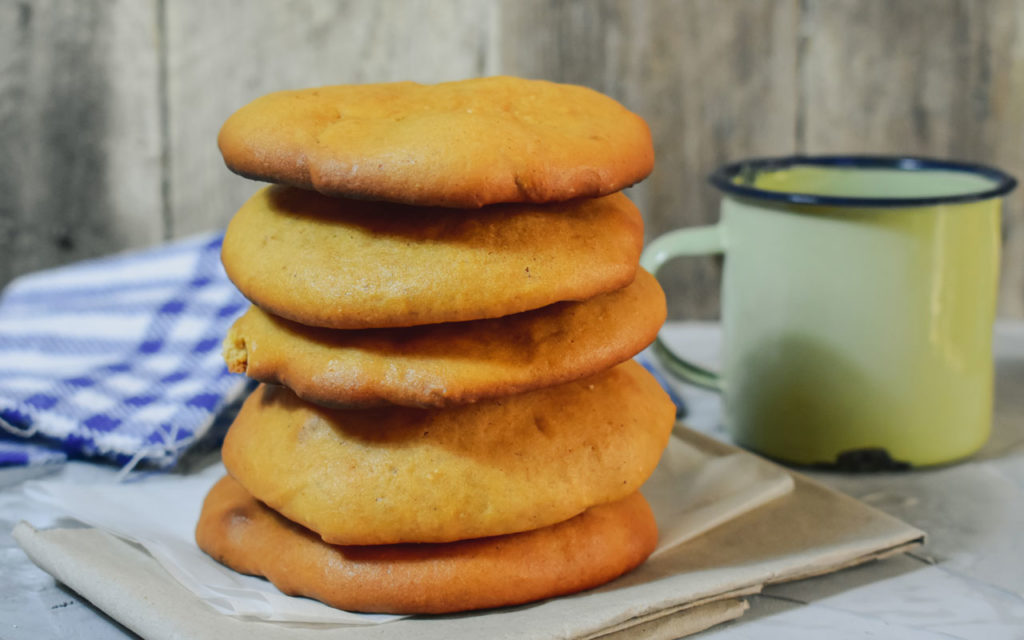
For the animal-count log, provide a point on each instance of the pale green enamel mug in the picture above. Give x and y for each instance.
(858, 298)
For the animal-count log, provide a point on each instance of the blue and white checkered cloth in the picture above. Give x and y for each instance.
(117, 358)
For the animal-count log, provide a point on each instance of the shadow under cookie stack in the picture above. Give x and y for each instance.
(446, 298)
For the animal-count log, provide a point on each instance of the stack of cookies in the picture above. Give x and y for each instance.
(446, 298)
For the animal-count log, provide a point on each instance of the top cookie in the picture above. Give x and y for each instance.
(457, 144)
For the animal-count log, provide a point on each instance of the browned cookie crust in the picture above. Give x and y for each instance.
(590, 549)
(447, 364)
(458, 144)
(346, 264)
(397, 474)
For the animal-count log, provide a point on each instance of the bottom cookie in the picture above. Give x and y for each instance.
(588, 550)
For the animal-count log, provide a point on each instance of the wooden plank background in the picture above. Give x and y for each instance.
(109, 109)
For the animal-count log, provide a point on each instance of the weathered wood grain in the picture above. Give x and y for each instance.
(79, 142)
(222, 54)
(1002, 136)
(109, 109)
(943, 78)
(715, 80)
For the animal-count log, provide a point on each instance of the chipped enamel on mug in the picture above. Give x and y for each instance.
(858, 298)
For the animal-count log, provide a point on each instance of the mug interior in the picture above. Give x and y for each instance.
(862, 181)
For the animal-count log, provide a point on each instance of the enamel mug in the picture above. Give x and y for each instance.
(858, 298)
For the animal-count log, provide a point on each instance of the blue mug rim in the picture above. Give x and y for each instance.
(722, 179)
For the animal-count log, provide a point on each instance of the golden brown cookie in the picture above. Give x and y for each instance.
(346, 264)
(458, 144)
(454, 363)
(397, 474)
(588, 550)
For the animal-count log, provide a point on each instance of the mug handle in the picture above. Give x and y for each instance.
(695, 241)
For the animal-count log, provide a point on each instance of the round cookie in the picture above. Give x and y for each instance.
(588, 550)
(457, 144)
(446, 364)
(397, 474)
(347, 264)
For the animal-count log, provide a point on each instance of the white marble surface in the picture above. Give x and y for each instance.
(967, 582)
